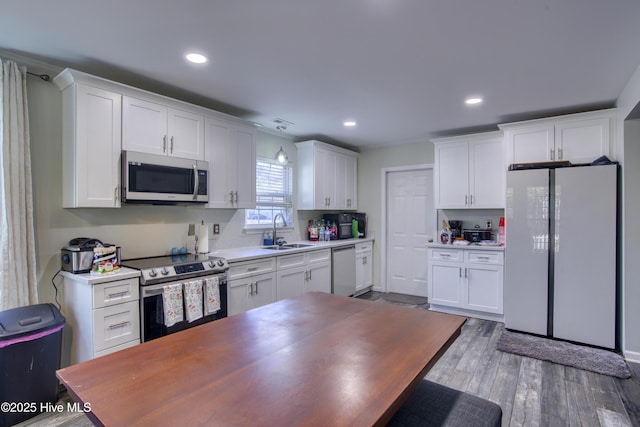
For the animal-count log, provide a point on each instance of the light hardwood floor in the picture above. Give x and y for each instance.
(531, 392)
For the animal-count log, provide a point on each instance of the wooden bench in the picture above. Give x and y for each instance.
(433, 404)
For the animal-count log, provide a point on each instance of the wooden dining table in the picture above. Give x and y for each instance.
(313, 360)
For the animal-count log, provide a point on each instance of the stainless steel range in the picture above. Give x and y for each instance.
(158, 272)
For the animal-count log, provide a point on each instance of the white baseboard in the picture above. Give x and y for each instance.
(467, 313)
(631, 356)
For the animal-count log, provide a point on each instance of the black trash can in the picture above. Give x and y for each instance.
(30, 341)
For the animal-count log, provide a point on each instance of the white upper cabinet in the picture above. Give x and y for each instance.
(470, 172)
(327, 177)
(155, 128)
(578, 138)
(231, 152)
(91, 133)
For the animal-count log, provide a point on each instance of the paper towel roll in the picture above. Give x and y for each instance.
(203, 239)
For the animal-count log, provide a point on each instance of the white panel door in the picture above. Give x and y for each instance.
(244, 167)
(584, 305)
(582, 141)
(487, 174)
(410, 221)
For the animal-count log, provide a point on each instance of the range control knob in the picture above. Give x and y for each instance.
(164, 271)
(220, 263)
(212, 264)
(153, 272)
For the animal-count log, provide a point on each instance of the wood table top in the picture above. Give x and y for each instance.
(316, 359)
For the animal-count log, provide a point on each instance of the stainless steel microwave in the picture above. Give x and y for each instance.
(157, 179)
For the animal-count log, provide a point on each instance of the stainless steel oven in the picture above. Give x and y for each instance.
(158, 272)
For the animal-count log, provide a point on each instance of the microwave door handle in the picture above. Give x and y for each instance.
(195, 182)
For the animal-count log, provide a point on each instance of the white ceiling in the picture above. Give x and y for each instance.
(400, 68)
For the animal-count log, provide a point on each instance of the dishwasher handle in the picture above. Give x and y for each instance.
(344, 248)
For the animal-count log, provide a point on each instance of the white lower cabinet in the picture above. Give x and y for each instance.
(102, 312)
(250, 284)
(303, 272)
(466, 280)
(364, 266)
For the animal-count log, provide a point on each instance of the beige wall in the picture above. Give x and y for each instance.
(370, 165)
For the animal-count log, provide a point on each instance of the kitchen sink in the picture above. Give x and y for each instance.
(297, 245)
(278, 248)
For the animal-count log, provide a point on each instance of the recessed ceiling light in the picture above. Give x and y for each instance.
(473, 100)
(196, 58)
(349, 123)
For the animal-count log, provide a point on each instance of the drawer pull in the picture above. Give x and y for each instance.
(445, 255)
(119, 325)
(252, 269)
(484, 258)
(118, 294)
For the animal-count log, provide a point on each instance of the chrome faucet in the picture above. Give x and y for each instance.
(275, 218)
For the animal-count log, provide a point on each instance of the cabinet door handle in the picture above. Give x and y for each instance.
(118, 294)
(459, 271)
(552, 154)
(471, 200)
(171, 145)
(164, 144)
(465, 199)
(115, 196)
(250, 288)
(231, 197)
(256, 285)
(236, 193)
(559, 153)
(364, 260)
(465, 272)
(119, 325)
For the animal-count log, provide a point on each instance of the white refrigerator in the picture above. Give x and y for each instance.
(560, 254)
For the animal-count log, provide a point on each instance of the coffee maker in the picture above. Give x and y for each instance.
(456, 228)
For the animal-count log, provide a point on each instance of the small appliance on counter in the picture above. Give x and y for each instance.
(477, 235)
(456, 228)
(361, 219)
(343, 223)
(79, 255)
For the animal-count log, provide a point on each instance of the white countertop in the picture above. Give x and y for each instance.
(466, 247)
(93, 279)
(255, 252)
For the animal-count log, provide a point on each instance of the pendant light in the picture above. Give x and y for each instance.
(281, 156)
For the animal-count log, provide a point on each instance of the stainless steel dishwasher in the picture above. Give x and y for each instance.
(343, 261)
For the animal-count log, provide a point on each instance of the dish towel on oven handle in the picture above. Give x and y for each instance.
(172, 303)
(193, 300)
(212, 296)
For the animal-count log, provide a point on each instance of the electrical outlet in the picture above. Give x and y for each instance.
(216, 228)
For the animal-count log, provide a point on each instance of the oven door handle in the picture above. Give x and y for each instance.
(150, 292)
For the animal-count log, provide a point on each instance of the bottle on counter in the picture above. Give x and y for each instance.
(445, 234)
(501, 235)
(313, 231)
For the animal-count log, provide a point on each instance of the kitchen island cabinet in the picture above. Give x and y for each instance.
(467, 280)
(578, 138)
(470, 172)
(230, 149)
(91, 141)
(102, 312)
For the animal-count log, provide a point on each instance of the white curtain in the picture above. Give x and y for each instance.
(18, 286)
